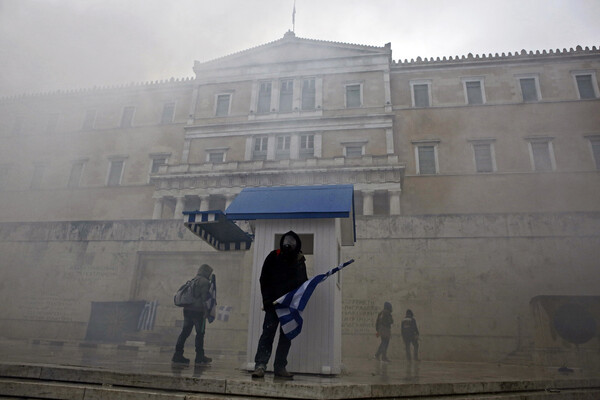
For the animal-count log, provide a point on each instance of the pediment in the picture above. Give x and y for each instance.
(291, 49)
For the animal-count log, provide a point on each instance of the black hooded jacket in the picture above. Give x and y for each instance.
(282, 271)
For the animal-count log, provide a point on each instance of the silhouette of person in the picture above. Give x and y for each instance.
(410, 335)
(383, 326)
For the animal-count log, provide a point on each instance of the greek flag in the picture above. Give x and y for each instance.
(289, 307)
(211, 303)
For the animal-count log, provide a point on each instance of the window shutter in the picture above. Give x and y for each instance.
(528, 89)
(483, 157)
(585, 86)
(427, 160)
(421, 93)
(474, 95)
(541, 156)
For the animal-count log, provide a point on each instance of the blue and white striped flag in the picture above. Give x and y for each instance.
(211, 303)
(289, 307)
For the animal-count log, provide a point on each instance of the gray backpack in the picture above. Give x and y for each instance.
(185, 295)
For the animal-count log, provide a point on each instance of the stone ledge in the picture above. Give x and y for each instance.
(86, 383)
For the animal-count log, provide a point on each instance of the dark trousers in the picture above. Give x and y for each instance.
(383, 346)
(192, 319)
(265, 343)
(408, 340)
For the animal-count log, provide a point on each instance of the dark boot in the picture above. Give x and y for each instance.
(283, 374)
(180, 359)
(259, 372)
(202, 359)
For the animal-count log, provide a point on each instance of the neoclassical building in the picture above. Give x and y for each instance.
(476, 183)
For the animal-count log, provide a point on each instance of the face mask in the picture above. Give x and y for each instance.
(289, 244)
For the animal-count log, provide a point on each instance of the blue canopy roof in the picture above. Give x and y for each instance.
(282, 202)
(331, 201)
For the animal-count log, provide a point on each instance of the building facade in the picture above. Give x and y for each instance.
(476, 188)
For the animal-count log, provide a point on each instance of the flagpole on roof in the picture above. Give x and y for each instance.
(294, 18)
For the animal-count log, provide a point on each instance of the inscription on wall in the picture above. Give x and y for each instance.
(50, 309)
(358, 316)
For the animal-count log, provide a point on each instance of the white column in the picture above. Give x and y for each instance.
(395, 208)
(203, 203)
(368, 202)
(179, 206)
(185, 154)
(271, 147)
(295, 147)
(157, 213)
(249, 148)
(318, 145)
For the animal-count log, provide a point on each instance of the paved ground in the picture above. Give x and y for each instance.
(394, 377)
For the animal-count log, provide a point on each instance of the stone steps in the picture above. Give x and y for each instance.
(61, 382)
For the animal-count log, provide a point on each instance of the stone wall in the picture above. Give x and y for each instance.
(468, 278)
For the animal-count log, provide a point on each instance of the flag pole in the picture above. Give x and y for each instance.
(294, 18)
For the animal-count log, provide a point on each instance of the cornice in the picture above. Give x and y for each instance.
(520, 56)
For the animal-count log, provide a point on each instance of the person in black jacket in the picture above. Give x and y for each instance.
(284, 270)
(410, 335)
(383, 327)
(194, 316)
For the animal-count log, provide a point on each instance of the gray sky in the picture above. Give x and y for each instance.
(46, 45)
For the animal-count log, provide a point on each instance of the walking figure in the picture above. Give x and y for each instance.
(410, 335)
(383, 326)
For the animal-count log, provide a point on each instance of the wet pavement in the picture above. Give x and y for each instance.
(150, 367)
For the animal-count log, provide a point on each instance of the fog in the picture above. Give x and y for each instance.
(49, 45)
(434, 264)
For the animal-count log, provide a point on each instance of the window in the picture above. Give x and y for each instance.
(421, 93)
(223, 102)
(286, 95)
(38, 174)
(76, 173)
(353, 150)
(381, 203)
(587, 86)
(541, 153)
(157, 163)
(127, 117)
(530, 89)
(426, 158)
(52, 123)
(283, 147)
(483, 153)
(353, 96)
(192, 203)
(264, 97)
(217, 202)
(595, 145)
(307, 146)
(115, 172)
(167, 114)
(260, 148)
(474, 92)
(89, 120)
(216, 157)
(308, 94)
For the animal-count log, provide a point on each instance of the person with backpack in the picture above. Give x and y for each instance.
(410, 335)
(195, 313)
(383, 327)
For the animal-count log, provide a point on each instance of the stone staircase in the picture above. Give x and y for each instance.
(60, 382)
